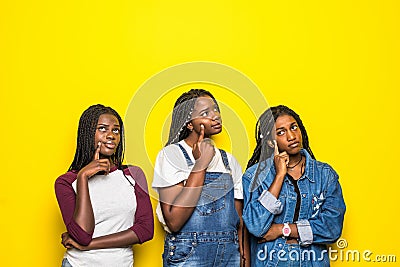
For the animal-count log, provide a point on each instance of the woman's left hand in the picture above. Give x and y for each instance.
(68, 242)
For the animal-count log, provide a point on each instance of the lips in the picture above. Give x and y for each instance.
(110, 145)
(294, 145)
(217, 126)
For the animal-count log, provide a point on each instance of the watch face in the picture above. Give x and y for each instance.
(286, 231)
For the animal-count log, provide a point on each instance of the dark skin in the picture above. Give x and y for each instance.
(179, 201)
(287, 153)
(107, 139)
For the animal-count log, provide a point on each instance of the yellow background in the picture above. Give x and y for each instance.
(335, 62)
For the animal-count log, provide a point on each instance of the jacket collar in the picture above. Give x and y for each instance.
(309, 171)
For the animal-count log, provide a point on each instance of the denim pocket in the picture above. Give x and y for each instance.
(180, 250)
(212, 198)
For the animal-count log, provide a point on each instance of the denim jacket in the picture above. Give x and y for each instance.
(321, 212)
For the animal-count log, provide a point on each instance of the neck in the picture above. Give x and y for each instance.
(193, 138)
(109, 159)
(293, 159)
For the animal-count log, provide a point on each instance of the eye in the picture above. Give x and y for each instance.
(116, 131)
(102, 129)
(294, 127)
(204, 114)
(280, 132)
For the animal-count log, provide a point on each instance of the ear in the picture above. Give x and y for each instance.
(189, 126)
(270, 144)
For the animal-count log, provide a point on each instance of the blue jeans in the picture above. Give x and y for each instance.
(201, 249)
(65, 263)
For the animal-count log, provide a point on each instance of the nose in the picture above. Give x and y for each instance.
(216, 116)
(290, 136)
(110, 135)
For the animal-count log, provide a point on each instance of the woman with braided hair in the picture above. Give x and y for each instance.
(293, 204)
(104, 204)
(199, 187)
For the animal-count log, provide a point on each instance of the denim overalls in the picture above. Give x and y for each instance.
(209, 237)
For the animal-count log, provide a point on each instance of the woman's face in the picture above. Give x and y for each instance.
(108, 134)
(288, 135)
(206, 112)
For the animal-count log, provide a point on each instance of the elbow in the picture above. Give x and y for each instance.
(174, 227)
(79, 235)
(174, 223)
(148, 233)
(144, 231)
(252, 228)
(336, 235)
(82, 239)
(85, 241)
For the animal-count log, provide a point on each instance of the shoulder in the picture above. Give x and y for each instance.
(132, 170)
(264, 168)
(67, 178)
(170, 149)
(63, 184)
(322, 170)
(171, 159)
(233, 162)
(170, 153)
(230, 157)
(138, 176)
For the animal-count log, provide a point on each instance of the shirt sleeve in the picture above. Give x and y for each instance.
(66, 201)
(144, 221)
(170, 167)
(236, 176)
(258, 215)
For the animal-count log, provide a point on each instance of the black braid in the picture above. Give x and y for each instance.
(264, 130)
(85, 145)
(182, 114)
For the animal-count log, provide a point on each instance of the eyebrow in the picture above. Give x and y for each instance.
(103, 124)
(204, 110)
(282, 128)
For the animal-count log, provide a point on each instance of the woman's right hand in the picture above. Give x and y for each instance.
(281, 160)
(95, 166)
(203, 151)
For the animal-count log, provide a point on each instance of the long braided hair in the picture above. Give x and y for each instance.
(182, 114)
(265, 133)
(85, 145)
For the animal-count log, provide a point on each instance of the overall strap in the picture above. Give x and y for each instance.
(225, 160)
(188, 160)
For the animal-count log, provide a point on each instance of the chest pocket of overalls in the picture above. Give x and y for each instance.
(213, 194)
(216, 186)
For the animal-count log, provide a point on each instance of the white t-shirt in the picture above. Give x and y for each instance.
(172, 168)
(114, 206)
